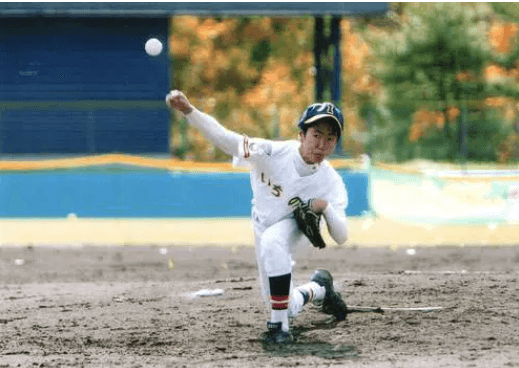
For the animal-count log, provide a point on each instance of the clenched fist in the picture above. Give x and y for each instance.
(177, 100)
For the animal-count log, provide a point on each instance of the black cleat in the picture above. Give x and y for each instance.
(332, 303)
(275, 335)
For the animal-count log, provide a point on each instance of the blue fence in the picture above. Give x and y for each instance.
(142, 193)
(83, 85)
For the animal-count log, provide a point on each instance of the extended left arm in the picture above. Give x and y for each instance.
(335, 221)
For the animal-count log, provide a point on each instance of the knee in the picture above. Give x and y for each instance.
(275, 255)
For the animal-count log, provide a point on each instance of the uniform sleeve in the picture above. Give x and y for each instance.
(335, 214)
(228, 141)
(252, 151)
(337, 224)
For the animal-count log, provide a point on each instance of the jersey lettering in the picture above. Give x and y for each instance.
(263, 180)
(276, 191)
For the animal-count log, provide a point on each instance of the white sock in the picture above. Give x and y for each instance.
(297, 302)
(277, 315)
(314, 291)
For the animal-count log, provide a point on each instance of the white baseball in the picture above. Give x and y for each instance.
(153, 47)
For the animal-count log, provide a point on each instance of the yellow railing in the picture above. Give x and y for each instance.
(171, 164)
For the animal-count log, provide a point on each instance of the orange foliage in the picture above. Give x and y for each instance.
(354, 52)
(351, 120)
(509, 149)
(202, 54)
(424, 121)
(465, 76)
(304, 60)
(495, 101)
(452, 113)
(242, 117)
(501, 39)
(259, 30)
(288, 115)
(505, 105)
(179, 46)
(501, 36)
(212, 49)
(186, 24)
(210, 28)
(493, 72)
(193, 39)
(276, 93)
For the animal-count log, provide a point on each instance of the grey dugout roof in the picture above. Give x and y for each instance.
(166, 9)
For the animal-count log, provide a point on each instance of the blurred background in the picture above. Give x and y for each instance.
(428, 90)
(431, 81)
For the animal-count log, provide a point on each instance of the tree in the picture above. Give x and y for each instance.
(433, 68)
(253, 73)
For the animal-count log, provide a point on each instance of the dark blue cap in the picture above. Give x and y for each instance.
(323, 110)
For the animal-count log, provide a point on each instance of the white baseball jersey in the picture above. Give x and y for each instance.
(278, 174)
(275, 180)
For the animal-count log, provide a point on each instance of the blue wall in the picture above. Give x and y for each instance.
(68, 131)
(77, 59)
(141, 193)
(83, 85)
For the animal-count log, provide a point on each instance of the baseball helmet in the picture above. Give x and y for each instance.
(322, 110)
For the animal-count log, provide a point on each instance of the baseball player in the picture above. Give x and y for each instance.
(283, 173)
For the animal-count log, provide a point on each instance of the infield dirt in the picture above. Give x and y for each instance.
(114, 306)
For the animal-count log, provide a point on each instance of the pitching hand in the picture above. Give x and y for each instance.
(177, 100)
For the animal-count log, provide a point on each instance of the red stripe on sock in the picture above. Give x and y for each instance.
(279, 302)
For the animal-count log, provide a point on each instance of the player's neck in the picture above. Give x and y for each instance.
(303, 168)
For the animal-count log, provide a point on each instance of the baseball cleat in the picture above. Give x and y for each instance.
(276, 335)
(332, 303)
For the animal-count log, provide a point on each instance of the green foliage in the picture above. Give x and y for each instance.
(436, 60)
(261, 52)
(508, 11)
(422, 61)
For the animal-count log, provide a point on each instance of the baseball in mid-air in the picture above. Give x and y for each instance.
(153, 47)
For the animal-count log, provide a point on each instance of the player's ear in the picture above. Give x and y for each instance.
(301, 135)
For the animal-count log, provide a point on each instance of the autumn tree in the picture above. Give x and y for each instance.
(434, 67)
(253, 74)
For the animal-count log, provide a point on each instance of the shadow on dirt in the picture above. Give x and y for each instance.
(303, 346)
(319, 349)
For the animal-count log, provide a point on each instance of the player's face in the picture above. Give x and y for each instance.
(318, 142)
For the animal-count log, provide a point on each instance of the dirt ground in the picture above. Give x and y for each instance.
(133, 306)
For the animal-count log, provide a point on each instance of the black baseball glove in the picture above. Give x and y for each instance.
(308, 221)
